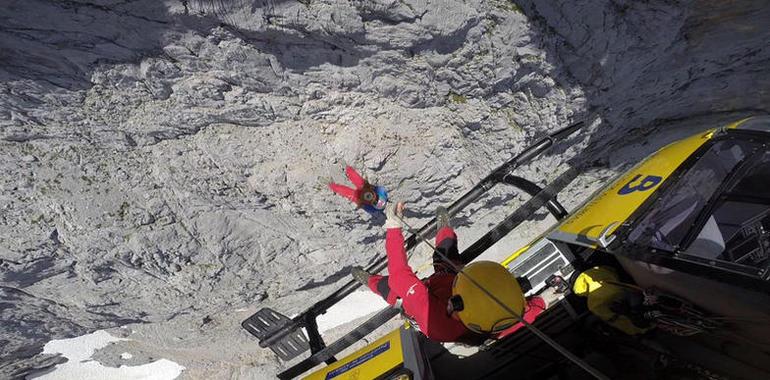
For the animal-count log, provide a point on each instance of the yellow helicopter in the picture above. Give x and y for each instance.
(663, 273)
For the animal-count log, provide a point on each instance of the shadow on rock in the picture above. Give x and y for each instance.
(643, 64)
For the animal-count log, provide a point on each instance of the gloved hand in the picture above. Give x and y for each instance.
(393, 215)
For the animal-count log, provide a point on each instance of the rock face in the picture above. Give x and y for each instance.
(164, 163)
(649, 63)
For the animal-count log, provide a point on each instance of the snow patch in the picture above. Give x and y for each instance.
(356, 305)
(80, 366)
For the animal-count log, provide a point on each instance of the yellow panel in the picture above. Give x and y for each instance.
(736, 124)
(625, 195)
(377, 358)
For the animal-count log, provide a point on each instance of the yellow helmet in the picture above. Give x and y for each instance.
(476, 309)
(592, 279)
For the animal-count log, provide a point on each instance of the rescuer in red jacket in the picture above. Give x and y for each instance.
(427, 302)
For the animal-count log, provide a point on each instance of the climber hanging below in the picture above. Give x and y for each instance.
(369, 197)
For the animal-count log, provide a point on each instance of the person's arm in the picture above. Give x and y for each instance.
(535, 306)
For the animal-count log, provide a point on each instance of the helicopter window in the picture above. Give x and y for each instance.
(666, 225)
(755, 183)
(738, 230)
(710, 242)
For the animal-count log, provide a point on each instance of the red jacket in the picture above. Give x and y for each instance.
(426, 301)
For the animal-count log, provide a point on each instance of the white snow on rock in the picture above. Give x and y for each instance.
(356, 305)
(80, 366)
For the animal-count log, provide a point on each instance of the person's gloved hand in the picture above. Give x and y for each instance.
(393, 215)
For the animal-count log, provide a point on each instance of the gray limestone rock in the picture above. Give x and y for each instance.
(167, 161)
